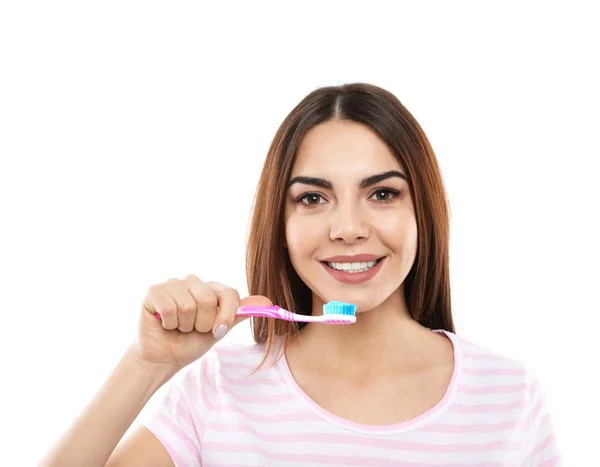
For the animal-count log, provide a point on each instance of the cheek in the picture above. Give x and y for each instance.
(302, 236)
(400, 234)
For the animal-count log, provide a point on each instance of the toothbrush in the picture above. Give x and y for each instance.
(333, 313)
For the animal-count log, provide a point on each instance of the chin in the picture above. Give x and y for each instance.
(366, 299)
(363, 304)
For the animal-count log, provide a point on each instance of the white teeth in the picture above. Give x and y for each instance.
(353, 267)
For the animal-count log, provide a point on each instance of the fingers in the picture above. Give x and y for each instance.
(159, 301)
(228, 302)
(187, 307)
(191, 304)
(207, 305)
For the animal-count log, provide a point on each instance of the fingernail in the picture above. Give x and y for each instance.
(220, 331)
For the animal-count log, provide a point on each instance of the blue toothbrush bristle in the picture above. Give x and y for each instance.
(339, 308)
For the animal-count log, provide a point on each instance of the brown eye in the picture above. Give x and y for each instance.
(385, 195)
(310, 199)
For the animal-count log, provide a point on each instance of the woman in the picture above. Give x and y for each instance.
(350, 207)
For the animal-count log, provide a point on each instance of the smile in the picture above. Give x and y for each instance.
(354, 267)
(355, 272)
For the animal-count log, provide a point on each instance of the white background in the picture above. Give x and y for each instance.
(132, 135)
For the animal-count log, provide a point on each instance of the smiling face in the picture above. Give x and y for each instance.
(350, 224)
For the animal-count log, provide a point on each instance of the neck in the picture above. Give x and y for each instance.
(383, 338)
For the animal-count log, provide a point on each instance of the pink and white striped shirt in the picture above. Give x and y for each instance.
(493, 414)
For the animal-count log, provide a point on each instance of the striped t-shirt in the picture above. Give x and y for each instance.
(493, 414)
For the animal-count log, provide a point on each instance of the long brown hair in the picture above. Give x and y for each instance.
(268, 267)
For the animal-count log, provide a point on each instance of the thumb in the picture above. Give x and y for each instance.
(252, 300)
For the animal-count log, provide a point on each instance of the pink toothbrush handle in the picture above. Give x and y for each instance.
(280, 313)
(263, 311)
(266, 312)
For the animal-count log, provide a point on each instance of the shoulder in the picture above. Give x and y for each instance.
(486, 370)
(476, 354)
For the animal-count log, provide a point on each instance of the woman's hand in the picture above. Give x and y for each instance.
(194, 315)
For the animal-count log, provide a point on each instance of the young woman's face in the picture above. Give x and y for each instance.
(350, 225)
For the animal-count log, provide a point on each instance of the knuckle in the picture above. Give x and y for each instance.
(153, 290)
(233, 293)
(171, 285)
(224, 290)
(207, 301)
(187, 308)
(192, 278)
(217, 285)
(168, 310)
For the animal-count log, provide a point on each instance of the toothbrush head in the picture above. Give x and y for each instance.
(339, 313)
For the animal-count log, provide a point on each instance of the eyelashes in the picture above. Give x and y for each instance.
(306, 196)
(308, 199)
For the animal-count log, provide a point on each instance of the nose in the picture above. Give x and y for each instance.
(348, 225)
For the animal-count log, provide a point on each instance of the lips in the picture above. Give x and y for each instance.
(353, 277)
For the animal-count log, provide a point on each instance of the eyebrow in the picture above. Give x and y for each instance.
(364, 183)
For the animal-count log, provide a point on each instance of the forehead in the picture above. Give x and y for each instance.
(342, 148)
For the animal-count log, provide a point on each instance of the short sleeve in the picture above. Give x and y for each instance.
(541, 448)
(179, 419)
